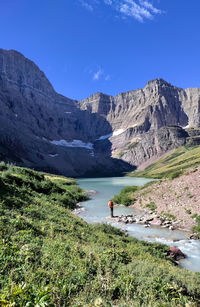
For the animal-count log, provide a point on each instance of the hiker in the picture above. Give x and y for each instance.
(111, 205)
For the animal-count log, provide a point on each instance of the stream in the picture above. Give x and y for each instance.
(96, 210)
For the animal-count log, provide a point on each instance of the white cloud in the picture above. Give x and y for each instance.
(109, 2)
(149, 6)
(86, 5)
(140, 11)
(132, 9)
(97, 74)
(107, 77)
(100, 74)
(137, 9)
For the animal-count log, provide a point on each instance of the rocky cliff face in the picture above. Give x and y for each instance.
(155, 106)
(33, 116)
(154, 143)
(150, 120)
(101, 135)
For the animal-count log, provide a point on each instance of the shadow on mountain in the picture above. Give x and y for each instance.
(111, 168)
(21, 145)
(44, 130)
(106, 165)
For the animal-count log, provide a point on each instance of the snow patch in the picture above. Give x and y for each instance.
(103, 137)
(107, 136)
(44, 139)
(118, 132)
(53, 156)
(68, 112)
(74, 143)
(186, 127)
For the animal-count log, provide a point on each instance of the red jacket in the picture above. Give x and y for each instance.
(110, 204)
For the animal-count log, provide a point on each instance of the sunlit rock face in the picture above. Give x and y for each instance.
(155, 106)
(101, 135)
(142, 114)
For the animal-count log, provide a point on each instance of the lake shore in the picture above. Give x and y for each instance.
(177, 199)
(151, 219)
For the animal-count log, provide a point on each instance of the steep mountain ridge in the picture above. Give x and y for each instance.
(100, 135)
(158, 103)
(33, 115)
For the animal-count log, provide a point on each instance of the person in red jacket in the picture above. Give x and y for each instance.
(111, 206)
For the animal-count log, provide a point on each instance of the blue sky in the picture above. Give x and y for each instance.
(111, 46)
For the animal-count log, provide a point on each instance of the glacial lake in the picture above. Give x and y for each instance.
(96, 210)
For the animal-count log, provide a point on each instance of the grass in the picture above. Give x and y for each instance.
(172, 165)
(49, 257)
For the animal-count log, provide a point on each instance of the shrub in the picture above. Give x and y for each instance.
(125, 196)
(175, 174)
(3, 166)
(152, 206)
(197, 227)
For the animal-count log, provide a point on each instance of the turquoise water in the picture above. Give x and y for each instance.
(96, 210)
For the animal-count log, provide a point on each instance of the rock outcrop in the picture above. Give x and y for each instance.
(101, 135)
(154, 143)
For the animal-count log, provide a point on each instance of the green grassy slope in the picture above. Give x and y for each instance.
(48, 257)
(173, 164)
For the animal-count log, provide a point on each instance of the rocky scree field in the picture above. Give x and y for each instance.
(175, 197)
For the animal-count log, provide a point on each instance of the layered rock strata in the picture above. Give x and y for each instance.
(101, 135)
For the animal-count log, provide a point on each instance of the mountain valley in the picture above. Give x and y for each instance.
(98, 136)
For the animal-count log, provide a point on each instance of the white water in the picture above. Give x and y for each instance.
(97, 210)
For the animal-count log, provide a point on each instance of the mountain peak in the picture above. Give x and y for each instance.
(159, 82)
(97, 95)
(24, 72)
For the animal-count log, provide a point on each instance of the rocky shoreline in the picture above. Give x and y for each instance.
(149, 218)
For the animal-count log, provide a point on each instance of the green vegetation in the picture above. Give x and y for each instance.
(49, 257)
(125, 196)
(132, 145)
(194, 216)
(168, 215)
(197, 227)
(120, 154)
(128, 147)
(152, 206)
(172, 165)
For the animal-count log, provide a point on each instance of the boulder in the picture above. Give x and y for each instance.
(194, 236)
(148, 219)
(167, 223)
(176, 253)
(131, 220)
(156, 221)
